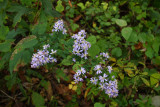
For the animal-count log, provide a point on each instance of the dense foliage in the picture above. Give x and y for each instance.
(79, 53)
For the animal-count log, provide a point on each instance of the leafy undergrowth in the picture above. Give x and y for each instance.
(79, 53)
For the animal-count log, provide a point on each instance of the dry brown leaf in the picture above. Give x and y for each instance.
(70, 4)
(35, 80)
(77, 18)
(49, 90)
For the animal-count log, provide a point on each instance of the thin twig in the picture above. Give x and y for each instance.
(7, 95)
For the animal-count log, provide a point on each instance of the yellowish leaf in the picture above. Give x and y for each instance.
(86, 92)
(73, 82)
(70, 86)
(74, 88)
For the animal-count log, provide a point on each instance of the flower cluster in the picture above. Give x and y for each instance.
(103, 81)
(59, 26)
(104, 56)
(78, 76)
(80, 46)
(43, 57)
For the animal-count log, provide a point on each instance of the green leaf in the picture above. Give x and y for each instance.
(121, 22)
(37, 99)
(145, 81)
(59, 6)
(47, 5)
(5, 46)
(81, 5)
(3, 4)
(44, 84)
(74, 26)
(3, 32)
(126, 32)
(149, 52)
(40, 28)
(67, 61)
(154, 78)
(105, 5)
(102, 44)
(156, 60)
(133, 37)
(27, 2)
(155, 46)
(18, 16)
(27, 42)
(26, 57)
(15, 59)
(142, 37)
(91, 39)
(116, 52)
(11, 80)
(20, 12)
(99, 105)
(94, 50)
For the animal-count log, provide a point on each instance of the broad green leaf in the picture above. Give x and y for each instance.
(145, 81)
(81, 5)
(3, 4)
(11, 80)
(156, 60)
(149, 52)
(3, 32)
(91, 39)
(74, 26)
(15, 60)
(18, 16)
(11, 34)
(155, 46)
(126, 32)
(133, 37)
(142, 37)
(48, 8)
(59, 6)
(116, 52)
(26, 57)
(94, 50)
(154, 78)
(121, 22)
(37, 99)
(105, 5)
(5, 46)
(40, 28)
(20, 12)
(67, 61)
(102, 44)
(44, 84)
(27, 42)
(99, 105)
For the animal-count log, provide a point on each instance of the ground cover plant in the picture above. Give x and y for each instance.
(94, 53)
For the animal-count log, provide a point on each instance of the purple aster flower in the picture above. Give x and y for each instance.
(59, 26)
(81, 71)
(74, 60)
(93, 80)
(53, 51)
(109, 69)
(46, 46)
(102, 86)
(80, 46)
(103, 78)
(97, 67)
(99, 72)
